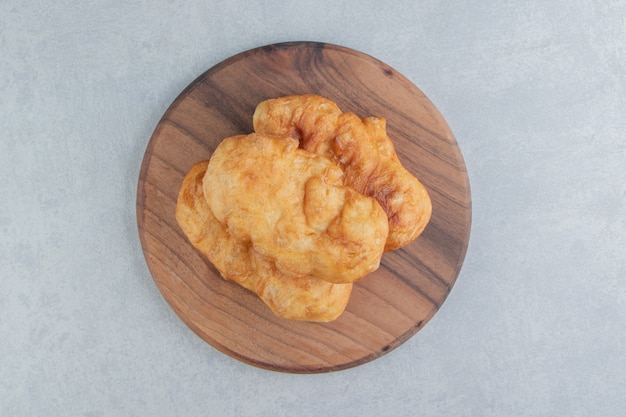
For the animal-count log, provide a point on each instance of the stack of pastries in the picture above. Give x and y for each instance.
(302, 207)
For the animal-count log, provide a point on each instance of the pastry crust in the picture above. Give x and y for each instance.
(290, 297)
(361, 148)
(292, 206)
(302, 208)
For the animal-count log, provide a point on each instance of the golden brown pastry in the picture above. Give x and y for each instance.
(362, 150)
(295, 298)
(292, 206)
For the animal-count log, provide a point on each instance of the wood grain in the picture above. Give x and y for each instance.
(388, 306)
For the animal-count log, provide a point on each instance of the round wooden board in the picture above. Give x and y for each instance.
(388, 306)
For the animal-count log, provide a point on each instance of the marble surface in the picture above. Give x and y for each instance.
(535, 93)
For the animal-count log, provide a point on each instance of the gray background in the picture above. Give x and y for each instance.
(535, 92)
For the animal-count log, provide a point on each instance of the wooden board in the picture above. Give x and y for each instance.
(388, 306)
